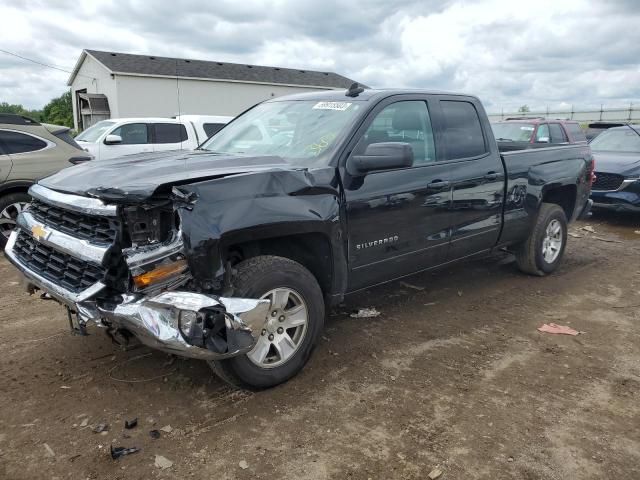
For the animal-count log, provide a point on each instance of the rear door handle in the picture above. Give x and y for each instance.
(491, 176)
(439, 184)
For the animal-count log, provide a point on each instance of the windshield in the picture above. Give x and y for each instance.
(626, 140)
(303, 133)
(512, 132)
(94, 132)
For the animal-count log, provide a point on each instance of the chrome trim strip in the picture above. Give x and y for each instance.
(90, 206)
(77, 248)
(63, 295)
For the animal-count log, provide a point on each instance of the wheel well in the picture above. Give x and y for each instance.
(14, 189)
(564, 196)
(311, 250)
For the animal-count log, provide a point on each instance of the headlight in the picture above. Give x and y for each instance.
(160, 273)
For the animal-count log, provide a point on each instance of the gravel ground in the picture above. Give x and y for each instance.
(452, 375)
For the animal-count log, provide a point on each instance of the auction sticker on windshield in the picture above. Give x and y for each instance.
(341, 106)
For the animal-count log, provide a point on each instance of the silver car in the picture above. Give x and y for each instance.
(29, 151)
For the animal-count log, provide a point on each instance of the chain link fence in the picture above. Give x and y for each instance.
(631, 114)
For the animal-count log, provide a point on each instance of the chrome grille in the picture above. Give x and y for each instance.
(62, 269)
(607, 181)
(86, 227)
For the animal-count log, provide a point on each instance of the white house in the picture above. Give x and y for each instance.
(112, 85)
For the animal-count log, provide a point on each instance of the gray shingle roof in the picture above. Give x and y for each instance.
(152, 65)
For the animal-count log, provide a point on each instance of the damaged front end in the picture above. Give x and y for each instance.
(124, 267)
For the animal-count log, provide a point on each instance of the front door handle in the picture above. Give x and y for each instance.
(491, 176)
(438, 184)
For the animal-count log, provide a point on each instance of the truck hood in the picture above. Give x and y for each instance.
(617, 162)
(135, 178)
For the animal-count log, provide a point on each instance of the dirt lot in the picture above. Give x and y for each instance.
(452, 374)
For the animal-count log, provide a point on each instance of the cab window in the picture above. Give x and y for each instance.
(132, 133)
(406, 122)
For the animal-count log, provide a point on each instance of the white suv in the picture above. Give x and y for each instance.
(126, 136)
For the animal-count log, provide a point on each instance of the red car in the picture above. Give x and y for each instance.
(536, 132)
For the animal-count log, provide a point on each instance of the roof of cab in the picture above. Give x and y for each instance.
(366, 95)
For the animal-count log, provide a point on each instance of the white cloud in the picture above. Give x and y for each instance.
(508, 53)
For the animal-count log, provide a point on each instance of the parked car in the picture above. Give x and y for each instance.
(596, 128)
(234, 257)
(617, 183)
(126, 136)
(29, 151)
(536, 132)
(205, 125)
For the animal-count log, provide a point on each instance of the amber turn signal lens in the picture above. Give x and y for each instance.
(160, 273)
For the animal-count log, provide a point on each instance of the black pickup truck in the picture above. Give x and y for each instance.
(233, 252)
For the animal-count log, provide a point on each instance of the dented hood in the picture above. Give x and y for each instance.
(137, 177)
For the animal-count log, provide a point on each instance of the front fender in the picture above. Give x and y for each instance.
(256, 206)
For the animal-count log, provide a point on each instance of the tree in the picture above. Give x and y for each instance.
(59, 111)
(524, 109)
(20, 110)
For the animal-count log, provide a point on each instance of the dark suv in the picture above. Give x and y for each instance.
(536, 132)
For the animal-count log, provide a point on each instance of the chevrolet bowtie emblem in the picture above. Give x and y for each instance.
(39, 232)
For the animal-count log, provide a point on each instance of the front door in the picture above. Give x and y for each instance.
(397, 219)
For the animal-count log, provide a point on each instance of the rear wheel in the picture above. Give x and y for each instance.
(10, 206)
(542, 252)
(293, 326)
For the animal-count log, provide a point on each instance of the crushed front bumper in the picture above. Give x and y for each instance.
(183, 323)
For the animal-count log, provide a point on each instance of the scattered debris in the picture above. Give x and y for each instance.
(608, 240)
(574, 235)
(558, 329)
(430, 304)
(510, 459)
(85, 422)
(459, 293)
(365, 313)
(243, 464)
(415, 287)
(636, 232)
(166, 429)
(74, 457)
(588, 228)
(129, 424)
(118, 452)
(64, 387)
(155, 434)
(101, 427)
(435, 473)
(162, 462)
(50, 452)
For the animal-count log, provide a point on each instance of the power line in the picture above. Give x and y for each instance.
(42, 64)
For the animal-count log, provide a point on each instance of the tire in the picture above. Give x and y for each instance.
(529, 255)
(10, 206)
(255, 278)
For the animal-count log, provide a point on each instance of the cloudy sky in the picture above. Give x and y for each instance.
(510, 53)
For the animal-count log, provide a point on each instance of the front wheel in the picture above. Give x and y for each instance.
(542, 252)
(10, 207)
(294, 322)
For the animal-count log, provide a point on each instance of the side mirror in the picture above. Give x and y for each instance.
(113, 140)
(381, 156)
(543, 140)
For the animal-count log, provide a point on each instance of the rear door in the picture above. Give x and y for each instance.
(558, 135)
(135, 139)
(170, 136)
(398, 220)
(477, 177)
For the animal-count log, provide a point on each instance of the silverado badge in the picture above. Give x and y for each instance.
(39, 232)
